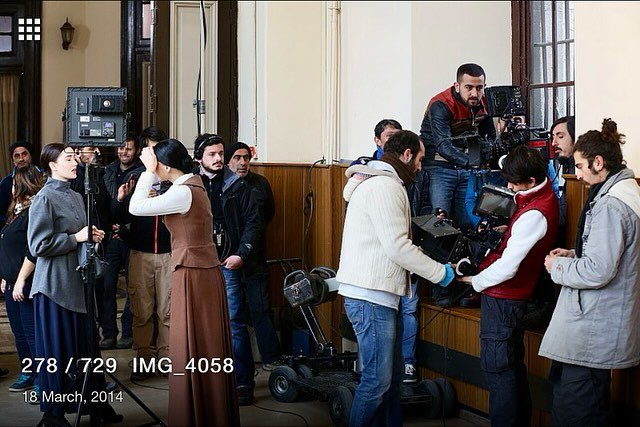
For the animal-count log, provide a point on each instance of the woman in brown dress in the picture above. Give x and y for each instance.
(202, 388)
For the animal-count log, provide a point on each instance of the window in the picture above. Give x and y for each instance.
(6, 33)
(544, 43)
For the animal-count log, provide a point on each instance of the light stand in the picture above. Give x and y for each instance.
(89, 278)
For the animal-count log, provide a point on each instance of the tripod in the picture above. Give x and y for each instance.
(89, 278)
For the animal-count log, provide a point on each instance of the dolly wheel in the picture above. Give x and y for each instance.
(430, 388)
(340, 406)
(281, 384)
(304, 371)
(448, 396)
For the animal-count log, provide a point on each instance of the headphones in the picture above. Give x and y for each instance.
(210, 139)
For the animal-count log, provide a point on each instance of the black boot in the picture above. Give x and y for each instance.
(53, 421)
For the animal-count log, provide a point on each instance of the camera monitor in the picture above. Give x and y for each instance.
(504, 101)
(96, 116)
(496, 202)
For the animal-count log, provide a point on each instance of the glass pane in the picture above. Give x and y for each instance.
(541, 64)
(541, 50)
(536, 22)
(548, 22)
(146, 21)
(536, 64)
(548, 64)
(561, 62)
(541, 22)
(5, 24)
(541, 107)
(5, 43)
(570, 19)
(570, 61)
(561, 33)
(565, 102)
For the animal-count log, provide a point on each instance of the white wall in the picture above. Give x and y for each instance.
(448, 34)
(93, 58)
(607, 35)
(376, 71)
(394, 57)
(293, 81)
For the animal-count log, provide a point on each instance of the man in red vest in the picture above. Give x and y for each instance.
(457, 110)
(506, 280)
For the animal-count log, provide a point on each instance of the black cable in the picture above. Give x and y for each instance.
(446, 349)
(204, 30)
(283, 412)
(308, 209)
(453, 301)
(149, 386)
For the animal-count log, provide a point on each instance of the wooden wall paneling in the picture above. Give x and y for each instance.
(459, 329)
(318, 247)
(576, 196)
(467, 394)
(290, 185)
(338, 211)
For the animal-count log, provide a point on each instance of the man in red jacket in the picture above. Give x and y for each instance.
(507, 278)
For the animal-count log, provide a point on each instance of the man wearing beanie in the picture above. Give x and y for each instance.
(20, 152)
(238, 158)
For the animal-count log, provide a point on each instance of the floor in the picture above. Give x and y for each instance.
(14, 411)
(266, 411)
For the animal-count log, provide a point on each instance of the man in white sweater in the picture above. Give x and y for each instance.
(376, 260)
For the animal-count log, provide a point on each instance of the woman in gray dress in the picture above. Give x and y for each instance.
(57, 224)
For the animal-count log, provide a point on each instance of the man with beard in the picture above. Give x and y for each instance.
(20, 152)
(237, 230)
(376, 260)
(127, 168)
(457, 110)
(149, 270)
(563, 140)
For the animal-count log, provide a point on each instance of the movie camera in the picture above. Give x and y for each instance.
(506, 103)
(445, 243)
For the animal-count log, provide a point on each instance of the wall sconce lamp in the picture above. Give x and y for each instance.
(67, 34)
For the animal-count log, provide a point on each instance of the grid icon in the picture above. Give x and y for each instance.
(29, 29)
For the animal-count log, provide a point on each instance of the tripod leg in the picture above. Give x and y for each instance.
(83, 392)
(137, 400)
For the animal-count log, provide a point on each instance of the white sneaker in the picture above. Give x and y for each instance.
(410, 373)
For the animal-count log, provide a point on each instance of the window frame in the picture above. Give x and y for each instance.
(521, 21)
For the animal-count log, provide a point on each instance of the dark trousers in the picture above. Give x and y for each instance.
(257, 290)
(502, 360)
(117, 256)
(21, 320)
(581, 395)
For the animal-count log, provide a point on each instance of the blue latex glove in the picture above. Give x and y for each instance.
(449, 275)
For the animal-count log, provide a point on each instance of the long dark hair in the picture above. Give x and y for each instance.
(173, 153)
(27, 181)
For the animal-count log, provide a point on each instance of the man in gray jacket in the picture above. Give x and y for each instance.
(594, 325)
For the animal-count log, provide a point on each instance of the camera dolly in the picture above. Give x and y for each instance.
(332, 376)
